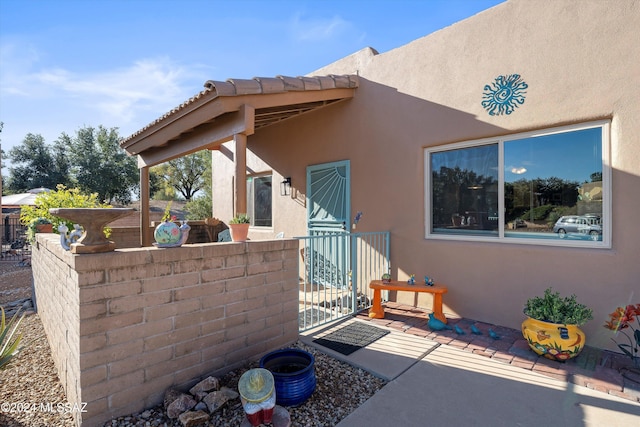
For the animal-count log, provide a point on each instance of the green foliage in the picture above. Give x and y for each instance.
(36, 165)
(185, 175)
(100, 166)
(240, 218)
(9, 341)
(32, 227)
(62, 197)
(167, 212)
(199, 208)
(555, 309)
(539, 213)
(558, 212)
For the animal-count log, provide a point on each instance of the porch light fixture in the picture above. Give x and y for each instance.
(285, 186)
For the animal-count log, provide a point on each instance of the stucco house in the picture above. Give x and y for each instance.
(468, 145)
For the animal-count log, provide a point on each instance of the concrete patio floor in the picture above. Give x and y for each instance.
(442, 378)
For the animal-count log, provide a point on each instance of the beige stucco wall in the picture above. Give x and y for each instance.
(579, 59)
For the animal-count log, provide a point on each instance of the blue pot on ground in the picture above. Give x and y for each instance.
(294, 375)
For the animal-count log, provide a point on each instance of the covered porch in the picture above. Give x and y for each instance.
(228, 111)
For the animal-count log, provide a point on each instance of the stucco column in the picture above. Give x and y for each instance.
(240, 191)
(145, 196)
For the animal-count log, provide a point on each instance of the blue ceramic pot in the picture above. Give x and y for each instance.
(294, 375)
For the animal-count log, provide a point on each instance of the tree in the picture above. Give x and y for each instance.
(187, 175)
(199, 207)
(101, 166)
(36, 166)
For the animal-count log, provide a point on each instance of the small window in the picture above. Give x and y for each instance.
(259, 197)
(547, 187)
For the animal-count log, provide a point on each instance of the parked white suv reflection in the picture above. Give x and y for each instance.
(583, 226)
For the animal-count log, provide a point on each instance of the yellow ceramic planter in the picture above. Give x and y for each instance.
(554, 341)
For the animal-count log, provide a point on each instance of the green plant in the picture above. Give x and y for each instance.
(167, 213)
(555, 309)
(32, 227)
(62, 197)
(240, 218)
(9, 341)
(199, 208)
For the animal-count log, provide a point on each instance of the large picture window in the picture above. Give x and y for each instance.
(546, 187)
(259, 196)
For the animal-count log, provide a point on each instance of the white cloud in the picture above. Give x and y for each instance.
(55, 99)
(313, 30)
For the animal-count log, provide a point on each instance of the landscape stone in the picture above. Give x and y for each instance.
(170, 395)
(193, 418)
(180, 405)
(217, 399)
(230, 393)
(207, 384)
(199, 395)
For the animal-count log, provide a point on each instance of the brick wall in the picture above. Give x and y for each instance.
(125, 325)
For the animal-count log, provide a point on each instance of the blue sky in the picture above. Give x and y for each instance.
(67, 64)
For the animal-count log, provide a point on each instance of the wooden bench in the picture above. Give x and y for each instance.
(377, 312)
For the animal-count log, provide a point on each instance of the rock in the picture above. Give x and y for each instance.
(217, 399)
(230, 393)
(193, 418)
(180, 405)
(199, 395)
(207, 384)
(170, 395)
(145, 415)
(201, 406)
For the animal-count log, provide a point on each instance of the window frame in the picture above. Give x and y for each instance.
(605, 243)
(249, 181)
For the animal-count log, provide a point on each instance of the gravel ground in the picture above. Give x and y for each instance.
(31, 382)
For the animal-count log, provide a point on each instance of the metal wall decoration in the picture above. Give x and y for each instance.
(504, 95)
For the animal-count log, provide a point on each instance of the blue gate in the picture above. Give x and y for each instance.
(333, 286)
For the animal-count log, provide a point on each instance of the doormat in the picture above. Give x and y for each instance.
(351, 338)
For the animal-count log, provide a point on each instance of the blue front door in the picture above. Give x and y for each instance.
(328, 211)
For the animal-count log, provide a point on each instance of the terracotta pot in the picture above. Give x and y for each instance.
(239, 232)
(554, 341)
(44, 228)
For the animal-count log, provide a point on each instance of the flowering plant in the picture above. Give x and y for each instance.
(167, 214)
(622, 318)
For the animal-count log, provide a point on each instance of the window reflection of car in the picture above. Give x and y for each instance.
(579, 226)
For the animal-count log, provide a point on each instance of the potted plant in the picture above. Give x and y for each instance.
(38, 225)
(239, 227)
(552, 329)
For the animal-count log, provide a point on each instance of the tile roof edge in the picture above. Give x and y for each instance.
(257, 85)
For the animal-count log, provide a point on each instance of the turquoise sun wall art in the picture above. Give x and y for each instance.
(504, 95)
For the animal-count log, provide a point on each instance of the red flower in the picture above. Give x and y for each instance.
(623, 318)
(617, 320)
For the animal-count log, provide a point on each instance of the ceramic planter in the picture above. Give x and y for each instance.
(294, 375)
(239, 232)
(167, 233)
(554, 341)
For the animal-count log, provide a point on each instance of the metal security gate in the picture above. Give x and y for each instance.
(330, 290)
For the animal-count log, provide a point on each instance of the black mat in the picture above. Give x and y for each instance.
(351, 338)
